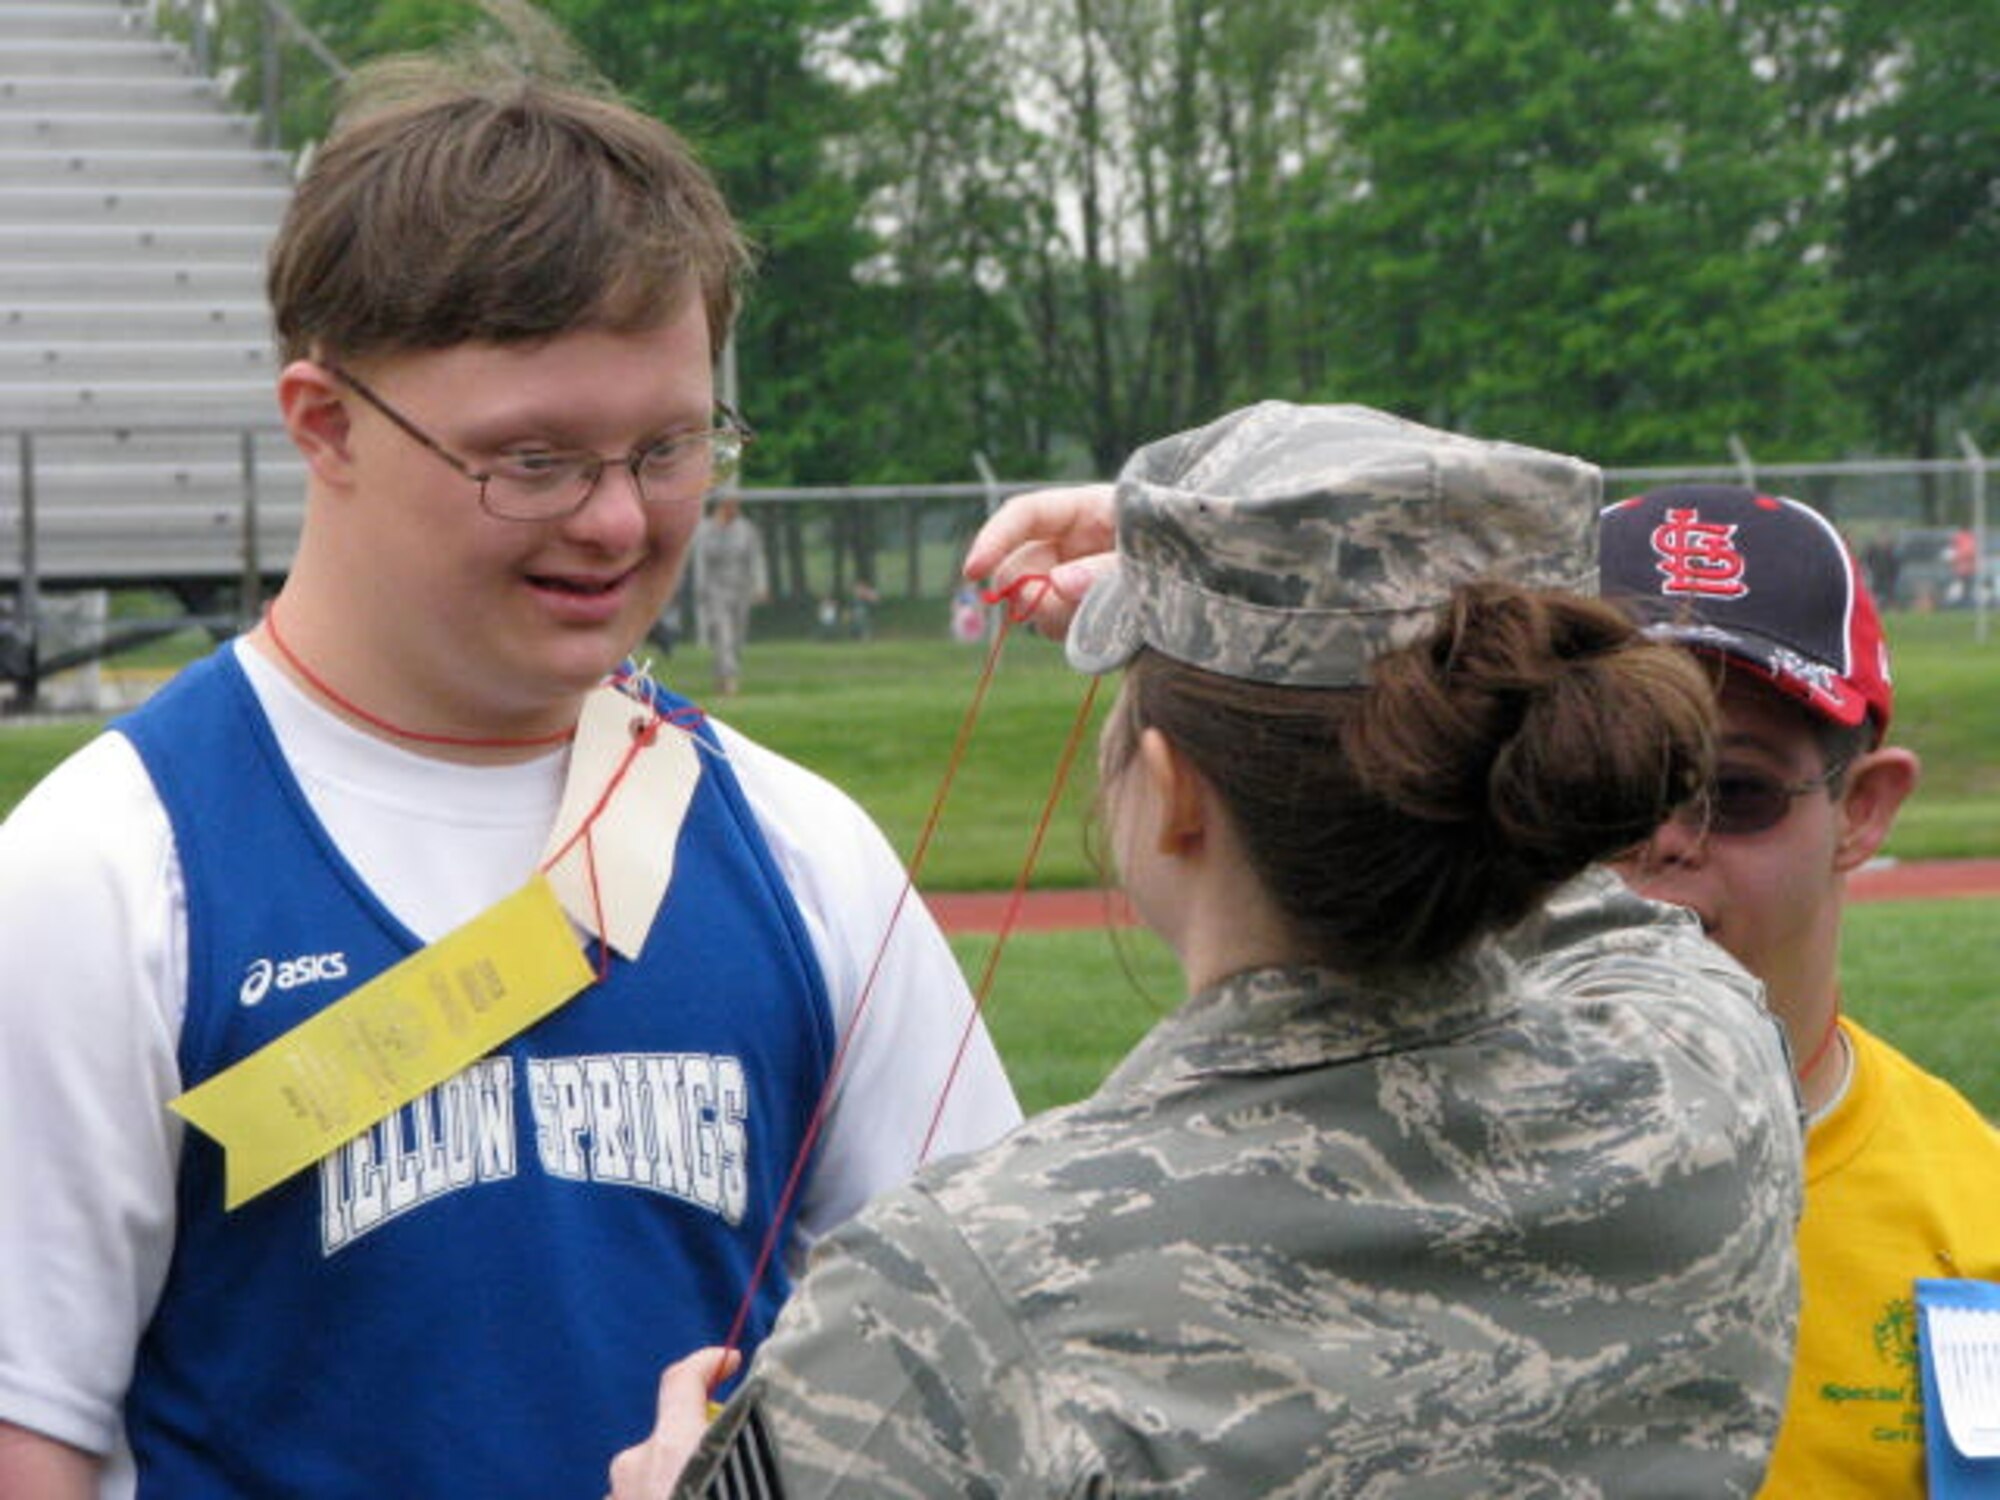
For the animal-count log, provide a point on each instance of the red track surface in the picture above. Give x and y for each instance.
(1050, 911)
(1927, 880)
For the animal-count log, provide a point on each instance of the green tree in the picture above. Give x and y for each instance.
(1045, 231)
(1581, 225)
(744, 80)
(1921, 227)
(952, 172)
(1146, 159)
(356, 32)
(1907, 98)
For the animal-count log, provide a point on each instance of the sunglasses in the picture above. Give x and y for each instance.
(1742, 801)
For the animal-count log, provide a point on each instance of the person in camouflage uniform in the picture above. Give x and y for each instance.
(1462, 1171)
(727, 557)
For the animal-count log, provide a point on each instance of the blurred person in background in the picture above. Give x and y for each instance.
(729, 578)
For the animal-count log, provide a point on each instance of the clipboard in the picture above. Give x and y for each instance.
(1958, 1350)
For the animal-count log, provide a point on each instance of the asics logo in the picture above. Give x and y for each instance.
(265, 975)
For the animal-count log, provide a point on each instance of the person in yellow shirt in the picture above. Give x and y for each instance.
(1901, 1170)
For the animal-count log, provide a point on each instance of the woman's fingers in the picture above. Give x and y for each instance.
(647, 1470)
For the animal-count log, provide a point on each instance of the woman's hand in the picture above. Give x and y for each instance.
(647, 1470)
(1066, 534)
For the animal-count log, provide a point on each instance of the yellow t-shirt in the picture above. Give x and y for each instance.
(1902, 1181)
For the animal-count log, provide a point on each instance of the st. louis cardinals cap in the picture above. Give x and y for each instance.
(1758, 578)
(1295, 544)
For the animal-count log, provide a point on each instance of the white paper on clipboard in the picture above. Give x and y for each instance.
(1964, 1345)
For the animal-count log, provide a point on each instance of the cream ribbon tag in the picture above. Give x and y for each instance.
(625, 864)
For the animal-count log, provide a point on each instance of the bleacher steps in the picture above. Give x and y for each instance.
(192, 243)
(54, 20)
(84, 129)
(88, 57)
(93, 360)
(136, 208)
(192, 320)
(140, 203)
(73, 93)
(119, 166)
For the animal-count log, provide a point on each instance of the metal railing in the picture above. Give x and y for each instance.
(249, 46)
(242, 569)
(914, 533)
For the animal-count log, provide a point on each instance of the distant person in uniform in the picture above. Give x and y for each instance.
(1902, 1173)
(1408, 1196)
(665, 632)
(729, 577)
(861, 610)
(1964, 558)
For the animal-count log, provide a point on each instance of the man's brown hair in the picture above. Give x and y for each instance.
(453, 204)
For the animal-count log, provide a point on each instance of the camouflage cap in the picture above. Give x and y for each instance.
(1294, 544)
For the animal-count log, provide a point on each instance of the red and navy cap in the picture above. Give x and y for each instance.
(1761, 579)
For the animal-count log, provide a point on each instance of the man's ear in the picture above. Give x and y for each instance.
(1871, 795)
(1178, 791)
(315, 414)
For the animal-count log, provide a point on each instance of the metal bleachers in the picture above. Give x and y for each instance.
(139, 440)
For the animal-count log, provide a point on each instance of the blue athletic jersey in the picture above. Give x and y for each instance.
(475, 1296)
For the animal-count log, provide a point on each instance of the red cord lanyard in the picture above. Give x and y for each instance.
(1020, 599)
(347, 705)
(1825, 1041)
(645, 731)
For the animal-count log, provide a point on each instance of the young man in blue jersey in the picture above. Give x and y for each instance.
(499, 305)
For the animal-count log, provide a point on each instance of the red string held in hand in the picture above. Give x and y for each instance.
(1021, 597)
(1012, 916)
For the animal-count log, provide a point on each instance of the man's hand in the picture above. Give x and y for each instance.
(1066, 534)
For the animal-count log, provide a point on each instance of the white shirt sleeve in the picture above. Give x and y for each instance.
(898, 1064)
(91, 959)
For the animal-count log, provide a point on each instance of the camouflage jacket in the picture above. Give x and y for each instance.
(1523, 1229)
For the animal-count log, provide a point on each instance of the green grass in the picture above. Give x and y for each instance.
(1948, 711)
(28, 750)
(1065, 1006)
(880, 718)
(1923, 974)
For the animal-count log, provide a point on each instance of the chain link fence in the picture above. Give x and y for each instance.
(850, 561)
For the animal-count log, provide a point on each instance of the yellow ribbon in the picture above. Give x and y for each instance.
(407, 1030)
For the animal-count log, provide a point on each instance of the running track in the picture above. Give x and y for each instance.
(1052, 911)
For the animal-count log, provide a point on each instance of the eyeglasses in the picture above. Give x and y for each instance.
(541, 485)
(1741, 801)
